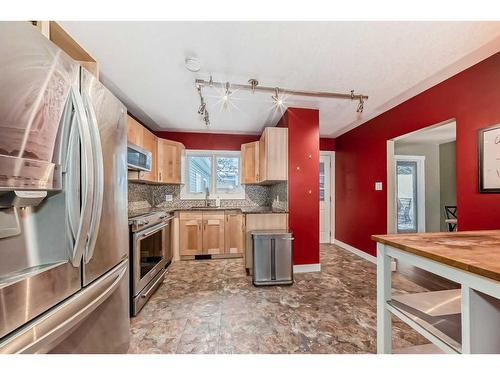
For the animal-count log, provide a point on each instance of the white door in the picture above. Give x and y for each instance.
(324, 198)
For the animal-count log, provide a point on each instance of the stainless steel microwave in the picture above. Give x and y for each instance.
(138, 159)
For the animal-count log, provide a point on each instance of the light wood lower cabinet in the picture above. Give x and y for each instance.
(234, 232)
(190, 234)
(219, 233)
(213, 233)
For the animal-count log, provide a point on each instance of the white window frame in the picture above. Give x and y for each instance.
(213, 195)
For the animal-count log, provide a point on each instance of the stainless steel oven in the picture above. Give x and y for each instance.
(151, 253)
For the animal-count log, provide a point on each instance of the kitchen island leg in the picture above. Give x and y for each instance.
(384, 286)
(480, 322)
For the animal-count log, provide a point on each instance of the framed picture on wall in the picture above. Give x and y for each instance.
(489, 159)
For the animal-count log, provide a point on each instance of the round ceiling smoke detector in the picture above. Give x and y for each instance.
(192, 64)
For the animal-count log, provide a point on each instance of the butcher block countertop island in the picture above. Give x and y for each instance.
(464, 320)
(477, 252)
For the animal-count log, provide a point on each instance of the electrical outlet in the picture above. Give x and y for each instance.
(169, 198)
(378, 185)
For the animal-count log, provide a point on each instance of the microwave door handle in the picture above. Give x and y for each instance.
(87, 178)
(98, 179)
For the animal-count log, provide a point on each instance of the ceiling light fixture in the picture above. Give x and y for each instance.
(279, 96)
(192, 64)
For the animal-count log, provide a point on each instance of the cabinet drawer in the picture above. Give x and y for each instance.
(188, 215)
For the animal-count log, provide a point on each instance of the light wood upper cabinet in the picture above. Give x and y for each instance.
(190, 234)
(213, 233)
(166, 155)
(273, 155)
(250, 163)
(234, 233)
(149, 142)
(135, 132)
(170, 155)
(60, 37)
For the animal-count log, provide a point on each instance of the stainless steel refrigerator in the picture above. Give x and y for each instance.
(64, 285)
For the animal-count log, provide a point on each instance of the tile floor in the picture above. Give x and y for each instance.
(212, 307)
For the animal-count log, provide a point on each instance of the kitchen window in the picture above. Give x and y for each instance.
(217, 171)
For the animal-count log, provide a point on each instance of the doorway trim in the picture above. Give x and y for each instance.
(420, 160)
(331, 154)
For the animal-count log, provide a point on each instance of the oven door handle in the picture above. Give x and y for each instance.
(152, 230)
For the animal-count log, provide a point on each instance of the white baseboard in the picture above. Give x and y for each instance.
(302, 268)
(353, 250)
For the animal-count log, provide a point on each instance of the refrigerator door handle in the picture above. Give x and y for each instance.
(46, 331)
(98, 179)
(87, 178)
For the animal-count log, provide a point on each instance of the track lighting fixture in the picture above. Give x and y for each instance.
(278, 97)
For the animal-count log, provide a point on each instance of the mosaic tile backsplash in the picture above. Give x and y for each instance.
(144, 196)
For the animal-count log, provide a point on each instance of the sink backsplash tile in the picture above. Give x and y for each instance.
(144, 196)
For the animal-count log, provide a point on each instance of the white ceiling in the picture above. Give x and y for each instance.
(143, 63)
(434, 134)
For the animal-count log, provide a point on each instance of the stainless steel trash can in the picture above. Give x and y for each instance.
(272, 257)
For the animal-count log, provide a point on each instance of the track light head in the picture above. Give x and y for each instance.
(360, 105)
(253, 83)
(206, 118)
(278, 98)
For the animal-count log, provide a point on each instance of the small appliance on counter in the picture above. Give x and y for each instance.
(272, 257)
(150, 254)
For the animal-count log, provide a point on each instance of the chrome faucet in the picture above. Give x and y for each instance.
(207, 193)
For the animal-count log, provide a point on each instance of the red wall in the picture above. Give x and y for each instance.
(220, 141)
(303, 183)
(472, 97)
(209, 141)
(327, 144)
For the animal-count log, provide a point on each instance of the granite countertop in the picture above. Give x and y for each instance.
(477, 252)
(245, 210)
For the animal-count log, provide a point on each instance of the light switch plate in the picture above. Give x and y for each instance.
(378, 185)
(169, 198)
